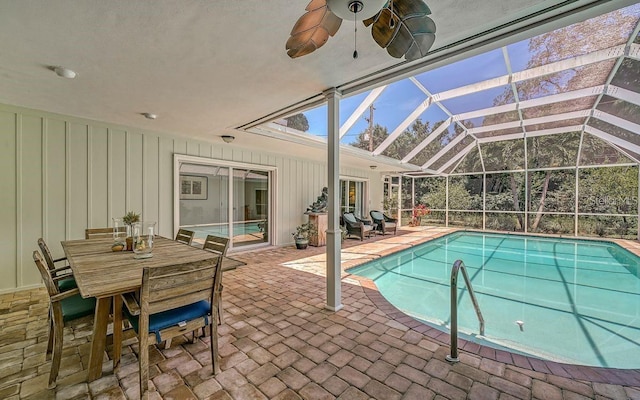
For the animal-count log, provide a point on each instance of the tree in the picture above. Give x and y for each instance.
(298, 121)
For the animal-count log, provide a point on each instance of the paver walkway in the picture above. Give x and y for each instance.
(278, 342)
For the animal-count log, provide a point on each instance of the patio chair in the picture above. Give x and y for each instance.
(66, 280)
(218, 245)
(102, 233)
(356, 226)
(185, 236)
(174, 300)
(383, 222)
(64, 307)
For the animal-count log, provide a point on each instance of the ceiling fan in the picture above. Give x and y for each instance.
(400, 26)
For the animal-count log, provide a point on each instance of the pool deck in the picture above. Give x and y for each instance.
(279, 342)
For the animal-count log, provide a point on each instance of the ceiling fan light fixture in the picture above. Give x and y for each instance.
(355, 9)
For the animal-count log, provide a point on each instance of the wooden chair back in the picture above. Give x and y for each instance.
(46, 254)
(102, 233)
(45, 273)
(170, 287)
(185, 236)
(216, 244)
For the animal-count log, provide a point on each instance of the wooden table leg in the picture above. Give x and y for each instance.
(117, 330)
(98, 343)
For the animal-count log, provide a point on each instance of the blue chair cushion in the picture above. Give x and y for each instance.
(75, 307)
(166, 319)
(66, 284)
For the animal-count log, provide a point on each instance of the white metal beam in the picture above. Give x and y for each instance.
(531, 121)
(543, 132)
(403, 125)
(617, 121)
(445, 149)
(458, 156)
(634, 51)
(353, 118)
(623, 94)
(427, 140)
(612, 139)
(558, 66)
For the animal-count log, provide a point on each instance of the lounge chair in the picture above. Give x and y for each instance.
(383, 222)
(356, 226)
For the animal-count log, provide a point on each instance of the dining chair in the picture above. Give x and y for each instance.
(66, 280)
(174, 300)
(185, 236)
(218, 245)
(65, 306)
(102, 233)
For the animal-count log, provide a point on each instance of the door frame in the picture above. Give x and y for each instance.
(178, 159)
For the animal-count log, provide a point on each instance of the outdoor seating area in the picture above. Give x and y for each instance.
(243, 206)
(277, 341)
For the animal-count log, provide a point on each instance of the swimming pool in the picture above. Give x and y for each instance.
(575, 301)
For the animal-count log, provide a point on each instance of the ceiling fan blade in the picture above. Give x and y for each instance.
(312, 30)
(413, 32)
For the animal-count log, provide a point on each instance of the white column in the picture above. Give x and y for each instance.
(334, 236)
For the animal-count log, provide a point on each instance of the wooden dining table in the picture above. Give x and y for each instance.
(106, 275)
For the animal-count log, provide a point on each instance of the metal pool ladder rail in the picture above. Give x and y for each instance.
(457, 266)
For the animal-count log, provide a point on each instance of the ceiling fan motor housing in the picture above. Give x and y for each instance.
(355, 9)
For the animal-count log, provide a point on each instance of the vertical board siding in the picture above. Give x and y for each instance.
(118, 162)
(8, 216)
(31, 184)
(62, 175)
(99, 214)
(77, 186)
(55, 196)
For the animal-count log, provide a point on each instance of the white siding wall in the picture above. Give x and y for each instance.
(62, 174)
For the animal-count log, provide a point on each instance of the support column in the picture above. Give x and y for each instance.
(334, 235)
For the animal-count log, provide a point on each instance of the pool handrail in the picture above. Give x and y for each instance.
(457, 266)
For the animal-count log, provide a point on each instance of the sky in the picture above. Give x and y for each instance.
(402, 97)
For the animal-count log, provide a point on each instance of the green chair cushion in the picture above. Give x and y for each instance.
(66, 284)
(75, 307)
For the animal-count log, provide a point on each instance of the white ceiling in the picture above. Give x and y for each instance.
(205, 67)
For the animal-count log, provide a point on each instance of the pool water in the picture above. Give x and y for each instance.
(575, 301)
(239, 229)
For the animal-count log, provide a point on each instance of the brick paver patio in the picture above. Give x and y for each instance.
(279, 342)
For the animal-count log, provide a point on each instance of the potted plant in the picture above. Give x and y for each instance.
(419, 211)
(301, 236)
(129, 219)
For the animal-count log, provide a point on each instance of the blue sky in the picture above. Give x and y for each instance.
(402, 97)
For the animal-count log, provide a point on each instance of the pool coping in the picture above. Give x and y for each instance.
(571, 371)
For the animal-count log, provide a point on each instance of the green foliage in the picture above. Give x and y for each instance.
(390, 204)
(298, 121)
(304, 231)
(130, 218)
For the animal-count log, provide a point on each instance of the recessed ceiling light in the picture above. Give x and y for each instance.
(64, 72)
(150, 116)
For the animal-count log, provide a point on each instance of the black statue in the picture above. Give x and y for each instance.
(320, 205)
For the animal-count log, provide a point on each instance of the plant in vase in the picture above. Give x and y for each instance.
(301, 235)
(129, 219)
(419, 211)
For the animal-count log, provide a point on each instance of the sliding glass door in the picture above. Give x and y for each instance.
(352, 197)
(226, 199)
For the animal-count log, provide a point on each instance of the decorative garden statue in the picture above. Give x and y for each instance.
(320, 205)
